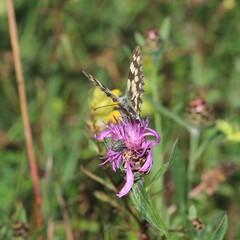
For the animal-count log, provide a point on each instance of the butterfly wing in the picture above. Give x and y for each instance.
(130, 104)
(101, 86)
(124, 109)
(135, 83)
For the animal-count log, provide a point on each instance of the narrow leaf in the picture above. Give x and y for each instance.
(139, 39)
(221, 229)
(179, 176)
(166, 165)
(165, 29)
(143, 204)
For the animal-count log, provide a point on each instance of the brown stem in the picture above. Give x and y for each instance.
(24, 110)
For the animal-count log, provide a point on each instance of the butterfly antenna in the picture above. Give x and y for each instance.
(110, 105)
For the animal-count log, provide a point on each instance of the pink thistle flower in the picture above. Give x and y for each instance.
(129, 148)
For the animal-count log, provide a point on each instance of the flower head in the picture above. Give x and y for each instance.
(153, 40)
(129, 148)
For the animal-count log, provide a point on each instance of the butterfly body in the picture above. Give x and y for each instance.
(130, 103)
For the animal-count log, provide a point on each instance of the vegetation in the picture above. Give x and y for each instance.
(191, 62)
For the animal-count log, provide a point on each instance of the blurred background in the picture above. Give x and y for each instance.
(199, 56)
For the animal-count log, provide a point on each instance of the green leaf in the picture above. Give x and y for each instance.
(179, 175)
(211, 226)
(139, 38)
(159, 173)
(165, 29)
(192, 211)
(93, 146)
(221, 229)
(166, 165)
(141, 201)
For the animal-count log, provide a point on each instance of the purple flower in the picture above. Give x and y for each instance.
(129, 148)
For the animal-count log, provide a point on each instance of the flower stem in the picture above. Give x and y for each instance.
(157, 152)
(194, 139)
(194, 142)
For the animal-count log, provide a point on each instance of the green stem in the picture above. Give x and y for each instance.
(194, 139)
(194, 142)
(171, 115)
(157, 152)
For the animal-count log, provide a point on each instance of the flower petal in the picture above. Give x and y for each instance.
(118, 160)
(148, 164)
(103, 134)
(114, 166)
(137, 138)
(129, 182)
(154, 143)
(104, 162)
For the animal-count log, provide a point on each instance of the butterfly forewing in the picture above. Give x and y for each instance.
(135, 83)
(101, 86)
(130, 104)
(124, 109)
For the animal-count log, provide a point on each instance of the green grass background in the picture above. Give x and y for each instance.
(58, 39)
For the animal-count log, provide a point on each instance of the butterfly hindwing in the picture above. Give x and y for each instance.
(135, 83)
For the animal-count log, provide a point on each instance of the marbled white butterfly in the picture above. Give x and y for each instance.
(130, 103)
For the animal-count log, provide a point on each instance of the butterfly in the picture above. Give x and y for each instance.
(129, 104)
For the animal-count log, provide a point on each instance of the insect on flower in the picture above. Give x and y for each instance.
(129, 149)
(130, 103)
(135, 158)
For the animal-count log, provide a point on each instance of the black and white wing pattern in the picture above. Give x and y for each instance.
(130, 103)
(135, 83)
